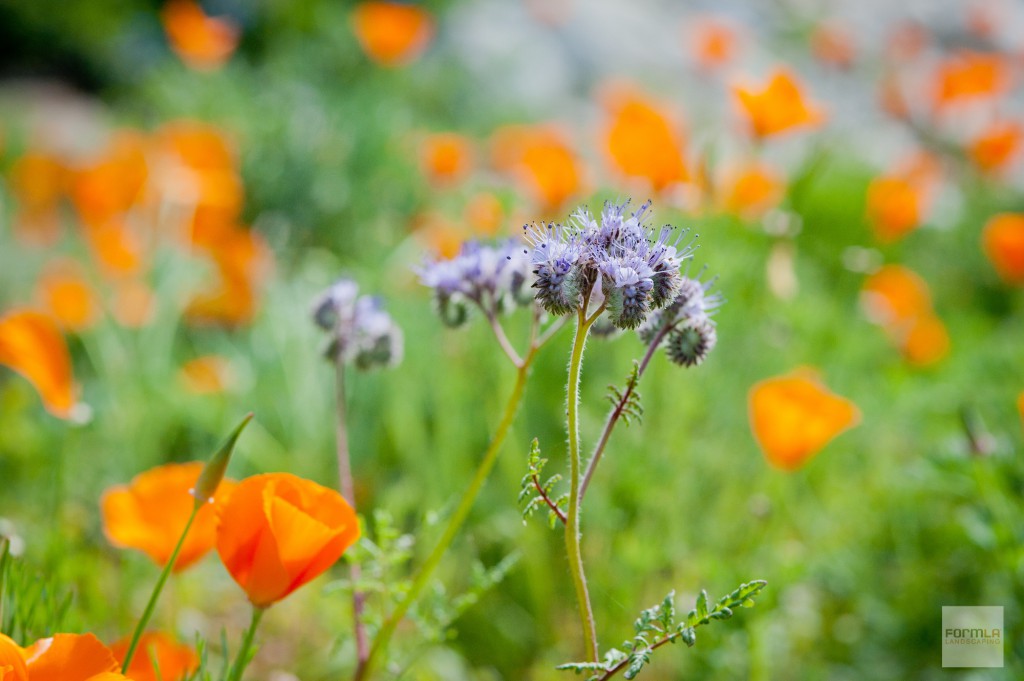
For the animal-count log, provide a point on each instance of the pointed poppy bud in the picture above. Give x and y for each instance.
(213, 472)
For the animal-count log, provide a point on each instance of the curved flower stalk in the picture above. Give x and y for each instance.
(363, 335)
(488, 280)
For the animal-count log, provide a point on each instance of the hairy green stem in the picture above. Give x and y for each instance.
(242, 660)
(572, 525)
(426, 571)
(147, 614)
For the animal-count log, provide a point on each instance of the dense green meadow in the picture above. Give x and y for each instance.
(918, 506)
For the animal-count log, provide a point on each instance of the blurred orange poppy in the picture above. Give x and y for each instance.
(157, 651)
(997, 146)
(970, 75)
(713, 42)
(277, 532)
(12, 661)
(207, 375)
(1020, 407)
(446, 157)
(70, 657)
(150, 513)
(542, 160)
(105, 190)
(64, 291)
(243, 260)
(484, 213)
(642, 141)
(392, 33)
(794, 416)
(134, 303)
(894, 206)
(37, 182)
(203, 43)
(32, 345)
(752, 190)
(832, 44)
(439, 235)
(1003, 242)
(117, 248)
(925, 341)
(778, 107)
(895, 294)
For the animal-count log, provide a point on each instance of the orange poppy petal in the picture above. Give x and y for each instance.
(202, 42)
(68, 657)
(779, 107)
(894, 207)
(1003, 243)
(175, 660)
(642, 142)
(895, 294)
(392, 33)
(926, 340)
(446, 158)
(31, 345)
(207, 375)
(794, 416)
(12, 661)
(67, 294)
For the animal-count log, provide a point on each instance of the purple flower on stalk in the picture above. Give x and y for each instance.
(360, 331)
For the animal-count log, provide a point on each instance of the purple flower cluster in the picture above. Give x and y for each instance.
(360, 331)
(492, 278)
(685, 326)
(637, 266)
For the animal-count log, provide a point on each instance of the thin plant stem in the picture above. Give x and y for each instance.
(426, 571)
(345, 482)
(572, 525)
(499, 333)
(242, 660)
(147, 614)
(616, 412)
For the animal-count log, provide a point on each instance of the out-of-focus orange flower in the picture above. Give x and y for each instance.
(832, 44)
(925, 341)
(446, 157)
(32, 345)
(1003, 243)
(106, 189)
(174, 660)
(794, 416)
(895, 294)
(751, 190)
(243, 260)
(892, 98)
(906, 41)
(12, 661)
(38, 181)
(70, 657)
(134, 303)
(541, 158)
(277, 532)
(970, 75)
(997, 146)
(894, 207)
(898, 300)
(778, 107)
(65, 292)
(439, 235)
(117, 248)
(150, 513)
(203, 43)
(643, 142)
(1020, 407)
(484, 213)
(207, 375)
(713, 42)
(392, 33)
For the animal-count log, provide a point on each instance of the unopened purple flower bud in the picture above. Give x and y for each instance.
(689, 344)
(361, 332)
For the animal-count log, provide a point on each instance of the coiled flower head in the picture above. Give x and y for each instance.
(490, 277)
(689, 344)
(359, 331)
(685, 325)
(637, 268)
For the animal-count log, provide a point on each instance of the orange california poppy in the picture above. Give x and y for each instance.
(203, 43)
(832, 44)
(713, 43)
(38, 180)
(65, 292)
(150, 513)
(157, 650)
(484, 214)
(70, 657)
(1003, 242)
(392, 33)
(32, 345)
(1020, 407)
(970, 75)
(925, 340)
(752, 190)
(207, 375)
(243, 261)
(446, 157)
(104, 190)
(997, 146)
(118, 249)
(642, 141)
(778, 107)
(278, 531)
(895, 294)
(542, 160)
(794, 416)
(895, 205)
(12, 661)
(439, 235)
